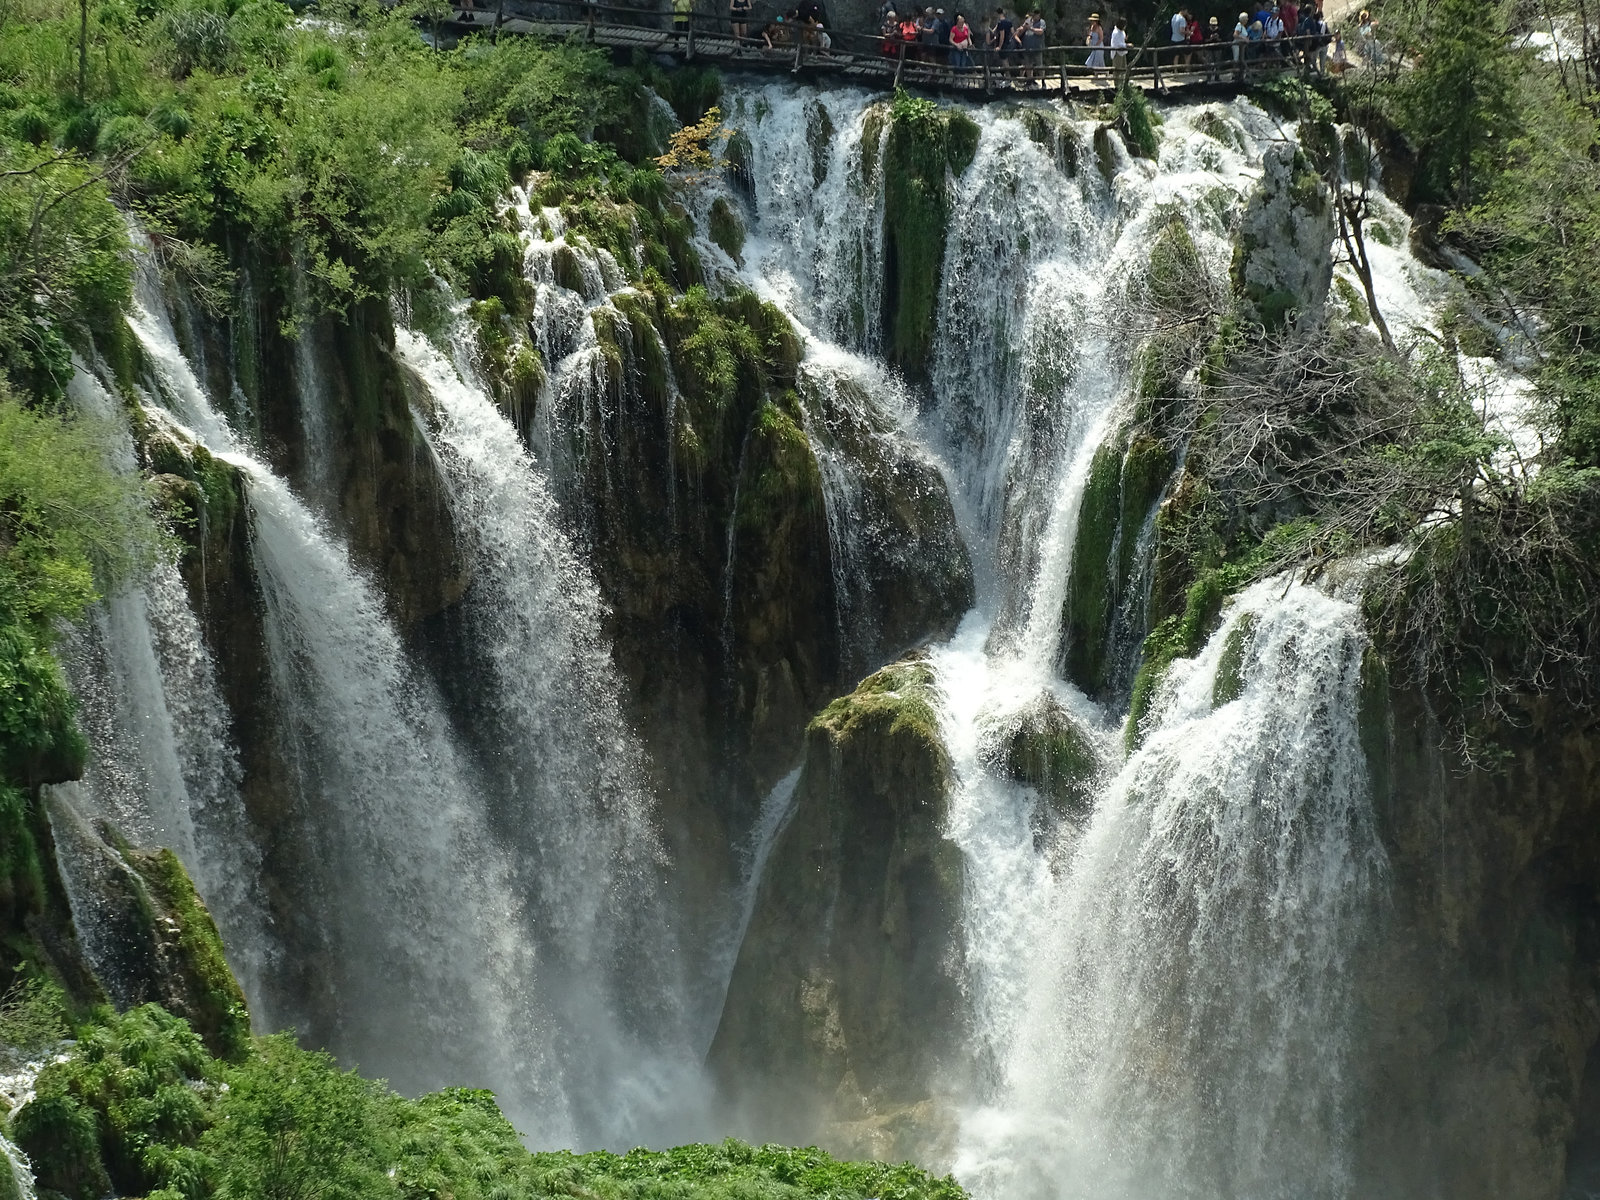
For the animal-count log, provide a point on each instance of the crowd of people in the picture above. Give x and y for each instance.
(1287, 30)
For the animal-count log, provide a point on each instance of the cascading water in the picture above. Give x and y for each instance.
(162, 767)
(1187, 1029)
(567, 768)
(15, 1162)
(1131, 1058)
(404, 905)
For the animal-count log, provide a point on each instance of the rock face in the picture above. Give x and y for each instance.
(1484, 1075)
(844, 1011)
(147, 934)
(1040, 745)
(1283, 262)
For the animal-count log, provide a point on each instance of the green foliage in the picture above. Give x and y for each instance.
(1457, 103)
(1133, 115)
(65, 519)
(33, 1010)
(130, 1096)
(138, 1106)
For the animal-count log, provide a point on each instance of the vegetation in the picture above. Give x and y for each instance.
(138, 1106)
(900, 698)
(926, 145)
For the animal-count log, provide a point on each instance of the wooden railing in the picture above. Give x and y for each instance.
(1055, 68)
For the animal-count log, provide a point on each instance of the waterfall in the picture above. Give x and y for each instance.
(403, 907)
(16, 1162)
(1188, 1024)
(1157, 987)
(162, 766)
(576, 813)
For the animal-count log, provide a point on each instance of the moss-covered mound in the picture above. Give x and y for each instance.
(1042, 746)
(845, 1004)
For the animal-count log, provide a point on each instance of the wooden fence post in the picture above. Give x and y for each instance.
(688, 46)
(899, 65)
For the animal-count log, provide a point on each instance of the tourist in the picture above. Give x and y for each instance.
(738, 18)
(927, 30)
(1367, 40)
(1272, 31)
(1119, 50)
(820, 39)
(1255, 39)
(682, 10)
(941, 34)
(1241, 40)
(961, 44)
(1197, 41)
(890, 32)
(1095, 39)
(1002, 36)
(1341, 57)
(1033, 44)
(1213, 50)
(1180, 35)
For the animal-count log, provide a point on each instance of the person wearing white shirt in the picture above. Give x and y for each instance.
(1119, 49)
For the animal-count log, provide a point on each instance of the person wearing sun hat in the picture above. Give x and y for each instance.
(1095, 39)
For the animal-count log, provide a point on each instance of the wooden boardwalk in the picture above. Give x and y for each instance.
(869, 62)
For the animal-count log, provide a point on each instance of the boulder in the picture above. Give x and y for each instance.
(845, 1011)
(1282, 258)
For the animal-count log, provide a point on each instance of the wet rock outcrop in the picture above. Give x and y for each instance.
(843, 1017)
(1484, 999)
(1282, 261)
(147, 932)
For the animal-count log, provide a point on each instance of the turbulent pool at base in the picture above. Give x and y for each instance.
(1159, 989)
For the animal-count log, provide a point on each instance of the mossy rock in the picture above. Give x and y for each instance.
(1105, 152)
(1228, 683)
(1126, 478)
(566, 270)
(819, 139)
(158, 944)
(1176, 274)
(201, 496)
(1043, 747)
(1056, 136)
(897, 701)
(1218, 128)
(926, 145)
(214, 1004)
(726, 229)
(846, 999)
(1355, 305)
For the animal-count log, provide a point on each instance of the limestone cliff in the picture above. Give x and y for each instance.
(842, 1021)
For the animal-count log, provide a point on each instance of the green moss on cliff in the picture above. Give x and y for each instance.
(902, 698)
(926, 144)
(782, 477)
(1228, 685)
(1126, 477)
(217, 1006)
(727, 230)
